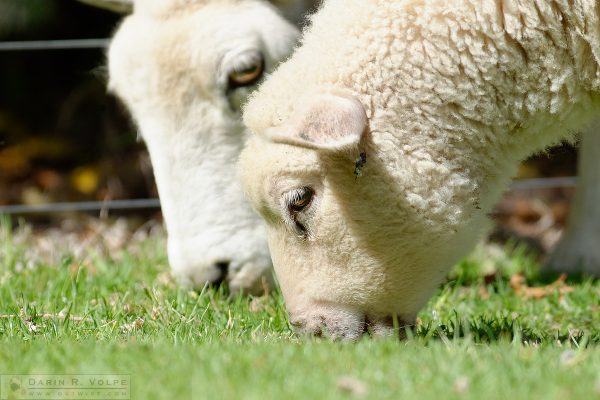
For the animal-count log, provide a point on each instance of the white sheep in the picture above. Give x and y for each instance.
(387, 137)
(182, 68)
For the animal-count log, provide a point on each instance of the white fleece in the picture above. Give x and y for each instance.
(456, 94)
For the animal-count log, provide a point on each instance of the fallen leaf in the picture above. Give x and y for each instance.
(568, 357)
(352, 386)
(461, 384)
(484, 294)
(135, 325)
(257, 304)
(518, 284)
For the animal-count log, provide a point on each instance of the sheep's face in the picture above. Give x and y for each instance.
(183, 74)
(349, 251)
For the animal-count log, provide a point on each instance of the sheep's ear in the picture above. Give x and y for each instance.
(119, 6)
(326, 122)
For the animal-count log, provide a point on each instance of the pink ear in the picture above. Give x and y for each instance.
(326, 122)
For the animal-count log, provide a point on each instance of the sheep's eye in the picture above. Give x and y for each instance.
(296, 201)
(300, 198)
(246, 75)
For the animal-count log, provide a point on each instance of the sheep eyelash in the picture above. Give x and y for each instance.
(289, 198)
(246, 61)
(293, 195)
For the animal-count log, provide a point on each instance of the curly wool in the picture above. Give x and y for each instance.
(471, 85)
(456, 93)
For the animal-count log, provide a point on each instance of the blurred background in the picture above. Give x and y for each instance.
(63, 138)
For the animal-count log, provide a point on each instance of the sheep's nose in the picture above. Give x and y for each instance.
(222, 268)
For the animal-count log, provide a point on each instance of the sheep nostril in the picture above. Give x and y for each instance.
(222, 268)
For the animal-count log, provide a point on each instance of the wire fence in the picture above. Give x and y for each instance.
(81, 206)
(544, 183)
(70, 44)
(154, 203)
(138, 204)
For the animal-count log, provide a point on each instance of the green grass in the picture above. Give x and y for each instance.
(121, 314)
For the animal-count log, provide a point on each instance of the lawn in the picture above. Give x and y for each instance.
(495, 330)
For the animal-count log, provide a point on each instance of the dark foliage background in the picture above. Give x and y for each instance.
(62, 137)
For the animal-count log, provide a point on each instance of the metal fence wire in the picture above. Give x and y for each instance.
(138, 204)
(73, 44)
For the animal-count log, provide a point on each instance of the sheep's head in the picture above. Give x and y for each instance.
(183, 69)
(351, 252)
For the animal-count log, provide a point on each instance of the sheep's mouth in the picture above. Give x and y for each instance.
(388, 326)
(321, 326)
(237, 284)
